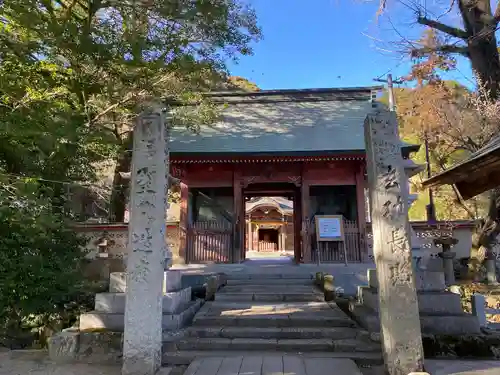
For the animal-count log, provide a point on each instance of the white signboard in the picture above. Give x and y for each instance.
(330, 228)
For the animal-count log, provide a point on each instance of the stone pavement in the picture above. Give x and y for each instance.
(449, 367)
(271, 365)
(37, 363)
(459, 367)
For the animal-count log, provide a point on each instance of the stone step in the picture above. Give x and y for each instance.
(185, 357)
(459, 324)
(269, 288)
(269, 297)
(265, 321)
(266, 282)
(252, 344)
(116, 321)
(269, 276)
(428, 302)
(264, 314)
(276, 333)
(114, 303)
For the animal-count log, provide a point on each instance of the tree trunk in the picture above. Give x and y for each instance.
(486, 234)
(479, 23)
(120, 186)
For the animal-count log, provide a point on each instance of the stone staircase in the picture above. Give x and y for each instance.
(109, 312)
(264, 315)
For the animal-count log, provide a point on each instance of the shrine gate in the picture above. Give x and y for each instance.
(304, 145)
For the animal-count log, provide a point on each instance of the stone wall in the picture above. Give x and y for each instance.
(112, 240)
(116, 236)
(461, 230)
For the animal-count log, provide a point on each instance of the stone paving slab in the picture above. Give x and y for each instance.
(271, 365)
(458, 367)
(186, 357)
(38, 363)
(448, 367)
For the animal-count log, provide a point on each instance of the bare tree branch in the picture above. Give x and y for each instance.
(453, 31)
(448, 48)
(496, 15)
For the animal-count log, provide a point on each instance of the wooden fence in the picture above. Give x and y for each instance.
(334, 252)
(266, 246)
(209, 242)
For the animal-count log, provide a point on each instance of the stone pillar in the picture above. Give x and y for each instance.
(491, 268)
(146, 247)
(447, 256)
(449, 272)
(399, 314)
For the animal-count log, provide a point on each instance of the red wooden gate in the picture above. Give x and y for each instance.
(209, 242)
(333, 252)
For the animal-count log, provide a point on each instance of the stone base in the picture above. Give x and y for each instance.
(96, 320)
(428, 281)
(103, 348)
(440, 311)
(114, 303)
(88, 347)
(441, 303)
(460, 324)
(172, 281)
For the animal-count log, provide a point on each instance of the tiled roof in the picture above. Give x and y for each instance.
(286, 121)
(283, 204)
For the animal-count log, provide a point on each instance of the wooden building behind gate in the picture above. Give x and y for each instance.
(304, 145)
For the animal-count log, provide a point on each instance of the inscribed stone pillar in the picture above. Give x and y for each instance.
(146, 247)
(399, 314)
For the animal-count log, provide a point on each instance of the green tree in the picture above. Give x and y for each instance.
(424, 112)
(474, 38)
(73, 75)
(116, 56)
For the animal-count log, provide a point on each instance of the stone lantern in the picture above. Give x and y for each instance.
(446, 242)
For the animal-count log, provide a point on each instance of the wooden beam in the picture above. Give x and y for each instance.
(183, 223)
(361, 211)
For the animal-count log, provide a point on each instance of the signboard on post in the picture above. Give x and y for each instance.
(329, 228)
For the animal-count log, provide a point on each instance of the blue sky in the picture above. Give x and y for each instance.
(325, 43)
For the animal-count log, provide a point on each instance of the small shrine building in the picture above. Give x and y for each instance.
(306, 146)
(269, 224)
